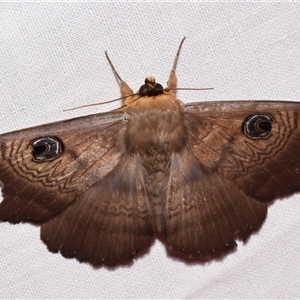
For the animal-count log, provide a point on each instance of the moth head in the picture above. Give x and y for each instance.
(151, 88)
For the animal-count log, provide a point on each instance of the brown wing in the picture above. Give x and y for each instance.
(89, 148)
(206, 212)
(223, 139)
(109, 223)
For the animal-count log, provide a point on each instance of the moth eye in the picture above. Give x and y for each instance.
(46, 148)
(258, 126)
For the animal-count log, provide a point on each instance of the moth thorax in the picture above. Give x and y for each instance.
(151, 88)
(155, 135)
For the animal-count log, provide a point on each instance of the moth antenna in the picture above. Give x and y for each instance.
(98, 103)
(193, 89)
(93, 104)
(125, 104)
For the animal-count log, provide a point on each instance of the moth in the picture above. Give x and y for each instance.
(196, 176)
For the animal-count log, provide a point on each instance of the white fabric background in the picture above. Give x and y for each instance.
(52, 58)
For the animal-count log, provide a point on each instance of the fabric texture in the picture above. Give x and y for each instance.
(52, 58)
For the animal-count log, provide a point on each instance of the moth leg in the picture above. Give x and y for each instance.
(125, 89)
(172, 81)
